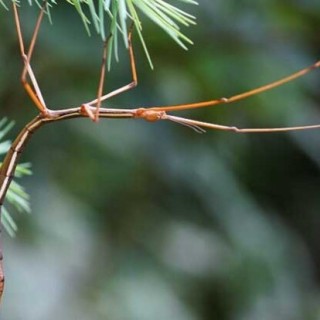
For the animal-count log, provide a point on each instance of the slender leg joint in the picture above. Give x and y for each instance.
(149, 115)
(86, 111)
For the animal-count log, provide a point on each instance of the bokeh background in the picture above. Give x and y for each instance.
(135, 221)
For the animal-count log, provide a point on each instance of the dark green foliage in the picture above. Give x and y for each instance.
(112, 17)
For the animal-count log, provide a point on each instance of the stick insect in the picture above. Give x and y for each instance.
(94, 110)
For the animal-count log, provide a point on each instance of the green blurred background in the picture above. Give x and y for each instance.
(137, 221)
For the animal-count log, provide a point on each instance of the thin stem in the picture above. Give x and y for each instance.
(202, 124)
(127, 87)
(237, 97)
(35, 94)
(102, 79)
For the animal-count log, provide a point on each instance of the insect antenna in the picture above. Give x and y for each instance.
(194, 127)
